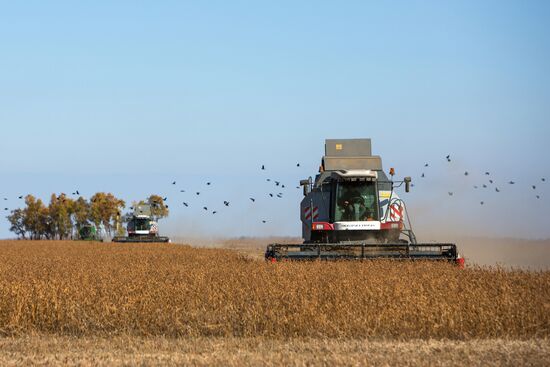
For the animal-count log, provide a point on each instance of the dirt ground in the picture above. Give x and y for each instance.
(125, 351)
(508, 252)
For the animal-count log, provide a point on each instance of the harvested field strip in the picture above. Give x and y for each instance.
(77, 288)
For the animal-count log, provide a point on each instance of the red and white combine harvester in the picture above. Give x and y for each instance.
(351, 211)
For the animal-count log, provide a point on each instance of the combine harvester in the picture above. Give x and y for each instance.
(351, 211)
(141, 227)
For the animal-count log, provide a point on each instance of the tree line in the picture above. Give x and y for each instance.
(63, 217)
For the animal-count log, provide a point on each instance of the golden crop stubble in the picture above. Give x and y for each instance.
(77, 288)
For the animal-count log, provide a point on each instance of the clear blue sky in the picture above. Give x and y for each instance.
(127, 96)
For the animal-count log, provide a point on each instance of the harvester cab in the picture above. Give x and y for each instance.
(351, 211)
(141, 227)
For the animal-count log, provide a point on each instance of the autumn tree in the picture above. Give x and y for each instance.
(158, 208)
(105, 210)
(61, 209)
(81, 213)
(36, 219)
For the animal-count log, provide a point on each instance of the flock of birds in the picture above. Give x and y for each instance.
(280, 186)
(490, 181)
(277, 184)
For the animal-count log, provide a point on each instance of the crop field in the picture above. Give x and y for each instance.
(102, 290)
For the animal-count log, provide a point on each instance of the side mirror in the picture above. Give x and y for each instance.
(407, 184)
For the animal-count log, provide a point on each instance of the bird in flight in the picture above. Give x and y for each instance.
(496, 189)
(448, 157)
(182, 190)
(511, 182)
(297, 164)
(208, 183)
(422, 176)
(184, 203)
(277, 183)
(205, 208)
(214, 212)
(426, 165)
(173, 183)
(226, 203)
(475, 186)
(534, 187)
(450, 193)
(481, 202)
(252, 199)
(490, 181)
(198, 193)
(271, 195)
(484, 186)
(538, 197)
(487, 173)
(263, 221)
(263, 167)
(466, 173)
(164, 199)
(543, 179)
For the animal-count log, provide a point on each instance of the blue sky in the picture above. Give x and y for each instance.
(127, 96)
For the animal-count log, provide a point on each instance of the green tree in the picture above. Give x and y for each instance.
(17, 222)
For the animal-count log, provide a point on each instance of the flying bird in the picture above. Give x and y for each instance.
(448, 158)
(268, 179)
(252, 199)
(164, 199)
(279, 196)
(182, 190)
(283, 186)
(475, 186)
(511, 182)
(538, 197)
(426, 165)
(214, 212)
(263, 221)
(226, 203)
(481, 202)
(490, 181)
(277, 183)
(450, 193)
(487, 173)
(6, 209)
(271, 195)
(484, 186)
(422, 176)
(198, 193)
(263, 167)
(297, 164)
(496, 189)
(21, 197)
(534, 187)
(174, 182)
(208, 183)
(77, 192)
(205, 208)
(466, 173)
(543, 179)
(184, 203)
(5, 198)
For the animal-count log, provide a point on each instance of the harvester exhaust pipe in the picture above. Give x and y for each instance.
(306, 185)
(407, 184)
